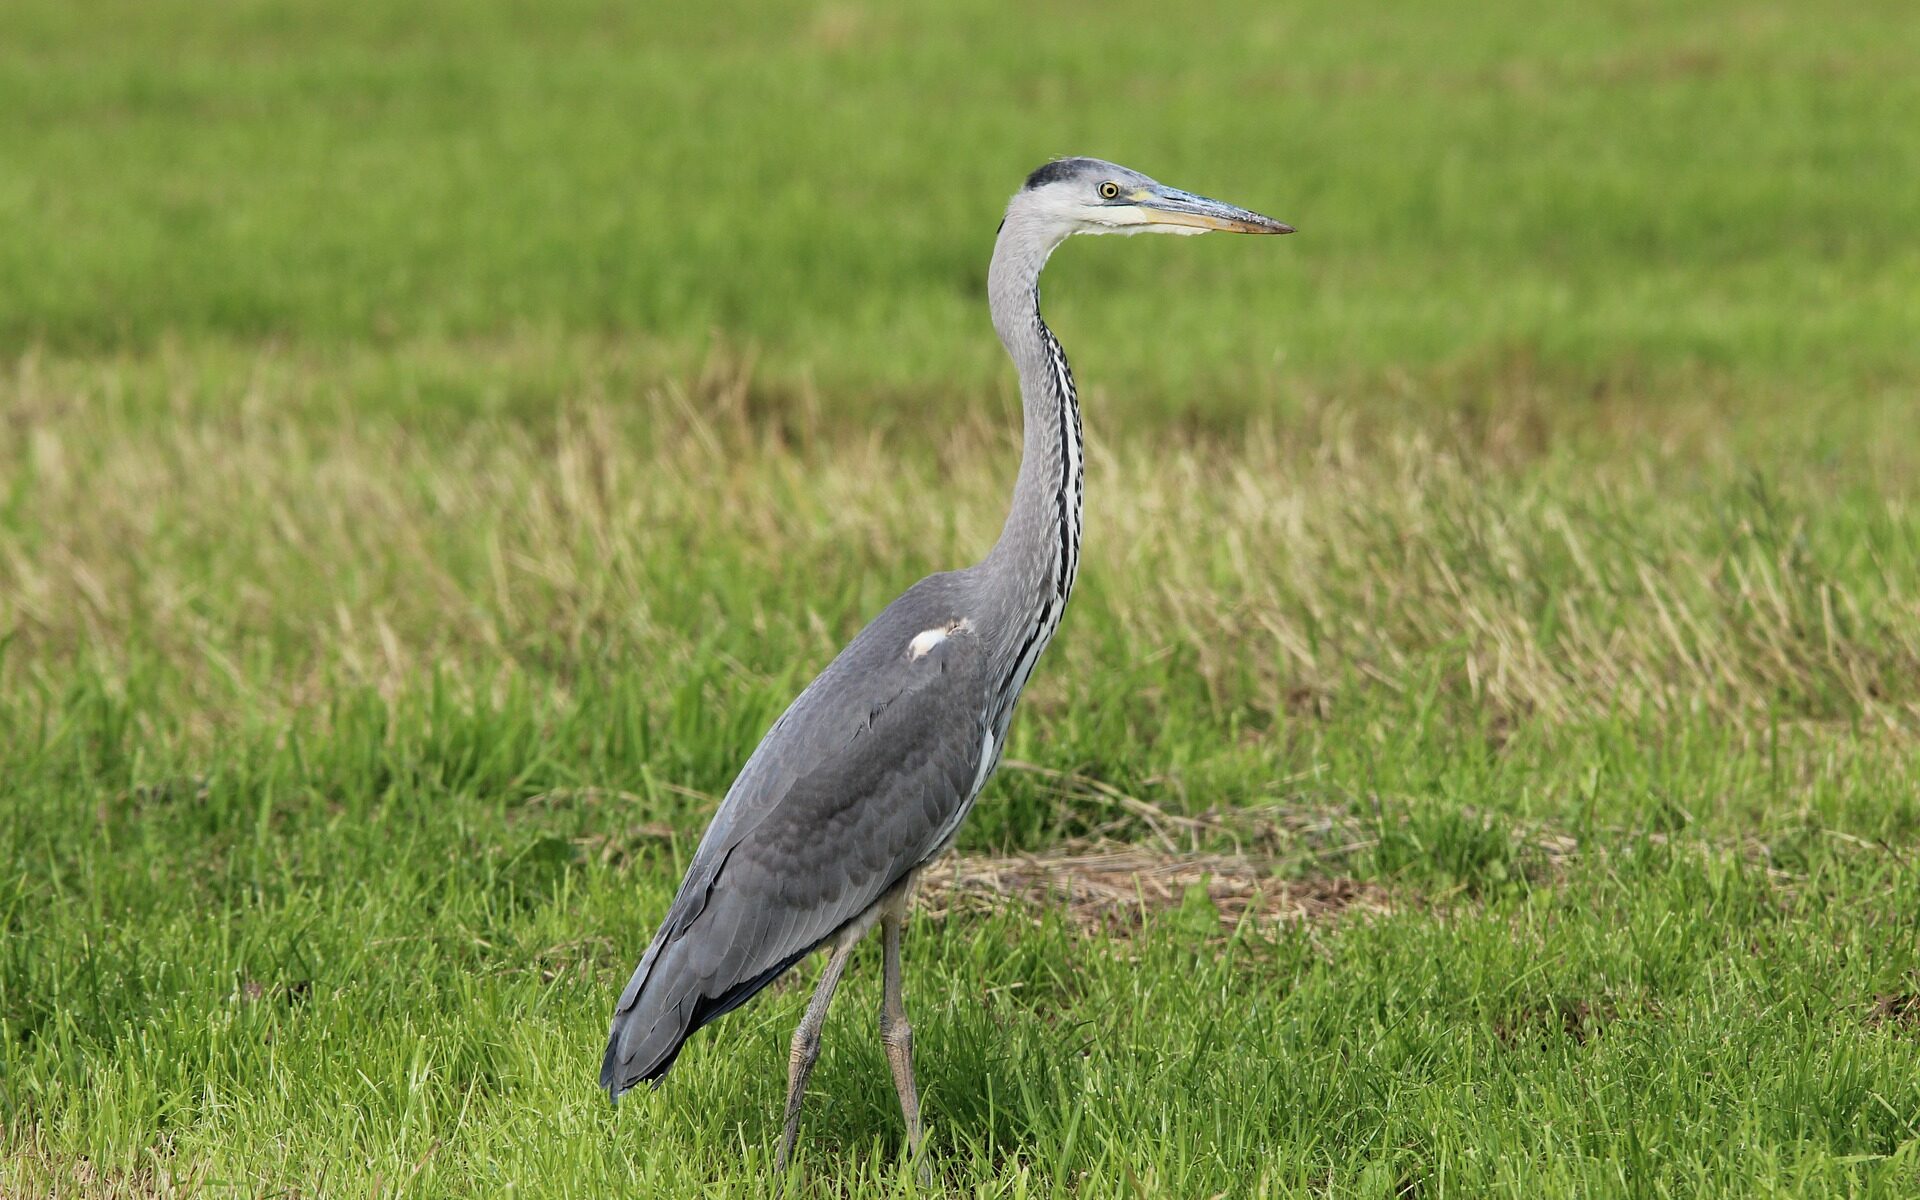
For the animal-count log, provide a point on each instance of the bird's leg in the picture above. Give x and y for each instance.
(896, 1034)
(806, 1045)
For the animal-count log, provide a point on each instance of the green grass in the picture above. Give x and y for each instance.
(436, 441)
(1641, 185)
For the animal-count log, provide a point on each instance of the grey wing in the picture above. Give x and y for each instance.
(863, 779)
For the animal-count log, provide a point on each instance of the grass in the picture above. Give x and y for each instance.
(437, 441)
(1635, 186)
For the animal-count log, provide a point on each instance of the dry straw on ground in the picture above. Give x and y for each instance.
(1290, 566)
(1115, 888)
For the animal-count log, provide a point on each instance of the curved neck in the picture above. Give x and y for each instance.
(1032, 566)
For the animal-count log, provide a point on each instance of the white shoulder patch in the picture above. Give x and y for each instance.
(924, 641)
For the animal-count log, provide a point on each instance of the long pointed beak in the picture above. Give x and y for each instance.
(1171, 206)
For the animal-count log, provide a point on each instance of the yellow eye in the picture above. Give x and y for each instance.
(1109, 190)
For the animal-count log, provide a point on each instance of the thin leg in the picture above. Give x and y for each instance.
(806, 1046)
(896, 1034)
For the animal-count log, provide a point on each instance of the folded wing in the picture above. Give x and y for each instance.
(859, 783)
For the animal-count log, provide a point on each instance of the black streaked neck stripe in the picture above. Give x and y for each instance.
(1050, 599)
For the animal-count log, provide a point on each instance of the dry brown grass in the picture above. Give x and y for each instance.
(29, 1172)
(1114, 888)
(270, 557)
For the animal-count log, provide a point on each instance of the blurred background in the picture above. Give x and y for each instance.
(1632, 188)
(436, 439)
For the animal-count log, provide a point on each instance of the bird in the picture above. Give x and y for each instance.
(866, 777)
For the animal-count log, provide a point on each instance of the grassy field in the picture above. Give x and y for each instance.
(436, 440)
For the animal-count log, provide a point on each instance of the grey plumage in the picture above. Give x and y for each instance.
(858, 783)
(868, 774)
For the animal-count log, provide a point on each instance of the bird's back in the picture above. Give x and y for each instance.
(861, 780)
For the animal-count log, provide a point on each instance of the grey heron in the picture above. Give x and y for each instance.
(866, 777)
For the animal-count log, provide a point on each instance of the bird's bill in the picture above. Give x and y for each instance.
(1170, 206)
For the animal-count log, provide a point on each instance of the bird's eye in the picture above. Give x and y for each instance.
(1109, 190)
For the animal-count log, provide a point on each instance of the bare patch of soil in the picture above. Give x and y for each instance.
(1579, 1021)
(1113, 888)
(1897, 1010)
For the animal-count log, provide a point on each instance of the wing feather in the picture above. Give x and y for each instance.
(859, 782)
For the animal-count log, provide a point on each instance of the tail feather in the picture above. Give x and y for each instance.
(649, 1025)
(655, 1018)
(639, 1051)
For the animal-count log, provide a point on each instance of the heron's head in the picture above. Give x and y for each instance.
(1087, 195)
